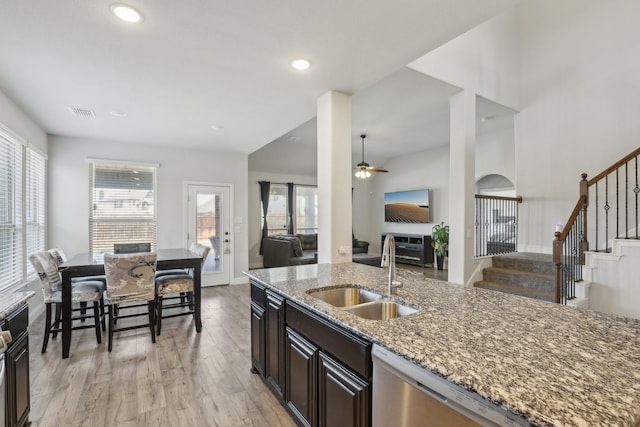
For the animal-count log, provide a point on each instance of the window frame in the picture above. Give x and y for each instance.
(97, 194)
(25, 205)
(281, 190)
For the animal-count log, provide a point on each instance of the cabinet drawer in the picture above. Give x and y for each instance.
(350, 349)
(17, 322)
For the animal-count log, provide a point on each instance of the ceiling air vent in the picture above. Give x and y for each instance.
(82, 112)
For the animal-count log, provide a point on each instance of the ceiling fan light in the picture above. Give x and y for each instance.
(363, 174)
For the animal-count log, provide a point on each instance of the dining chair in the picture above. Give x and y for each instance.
(84, 291)
(130, 248)
(176, 270)
(181, 284)
(130, 278)
(60, 258)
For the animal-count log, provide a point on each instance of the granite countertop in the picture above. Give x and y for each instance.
(548, 363)
(9, 302)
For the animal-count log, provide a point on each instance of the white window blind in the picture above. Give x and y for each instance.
(12, 257)
(122, 205)
(35, 199)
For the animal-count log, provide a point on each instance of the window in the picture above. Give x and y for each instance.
(22, 208)
(306, 209)
(35, 196)
(122, 205)
(277, 213)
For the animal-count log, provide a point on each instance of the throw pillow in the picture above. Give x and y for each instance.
(297, 246)
(308, 241)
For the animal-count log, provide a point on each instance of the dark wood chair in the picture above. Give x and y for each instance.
(130, 248)
(130, 278)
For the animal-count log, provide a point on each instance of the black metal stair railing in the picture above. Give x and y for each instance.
(496, 225)
(615, 193)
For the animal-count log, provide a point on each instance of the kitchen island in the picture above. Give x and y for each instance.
(547, 363)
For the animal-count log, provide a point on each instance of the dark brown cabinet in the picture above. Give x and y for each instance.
(18, 392)
(344, 398)
(275, 342)
(318, 370)
(301, 372)
(257, 338)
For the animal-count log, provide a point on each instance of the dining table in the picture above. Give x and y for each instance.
(87, 264)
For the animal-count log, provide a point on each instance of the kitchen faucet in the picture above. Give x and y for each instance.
(389, 260)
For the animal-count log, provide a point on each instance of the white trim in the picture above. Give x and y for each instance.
(239, 280)
(122, 162)
(7, 133)
(185, 214)
(32, 147)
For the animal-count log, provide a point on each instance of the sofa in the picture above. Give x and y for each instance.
(285, 250)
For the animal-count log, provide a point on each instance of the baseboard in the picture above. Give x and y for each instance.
(242, 280)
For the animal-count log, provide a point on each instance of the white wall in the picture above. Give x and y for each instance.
(13, 118)
(579, 68)
(428, 169)
(69, 190)
(614, 279)
(255, 208)
(495, 154)
(484, 59)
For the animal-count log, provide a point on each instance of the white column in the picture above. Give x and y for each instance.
(334, 178)
(462, 186)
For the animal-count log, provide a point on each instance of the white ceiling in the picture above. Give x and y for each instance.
(405, 113)
(194, 64)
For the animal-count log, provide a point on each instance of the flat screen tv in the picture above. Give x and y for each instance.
(407, 206)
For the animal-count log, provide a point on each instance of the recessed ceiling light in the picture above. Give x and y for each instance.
(118, 113)
(301, 64)
(126, 13)
(217, 127)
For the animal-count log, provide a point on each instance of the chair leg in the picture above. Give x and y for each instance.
(152, 315)
(96, 319)
(103, 315)
(47, 328)
(58, 318)
(83, 310)
(111, 325)
(159, 316)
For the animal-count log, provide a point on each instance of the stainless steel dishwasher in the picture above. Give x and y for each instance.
(405, 394)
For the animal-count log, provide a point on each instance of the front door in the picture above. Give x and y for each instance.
(208, 221)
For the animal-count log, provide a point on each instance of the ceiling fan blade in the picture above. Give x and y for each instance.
(375, 169)
(364, 165)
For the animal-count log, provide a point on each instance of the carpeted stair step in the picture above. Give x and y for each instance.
(541, 294)
(521, 278)
(526, 261)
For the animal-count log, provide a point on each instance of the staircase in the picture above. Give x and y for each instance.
(522, 273)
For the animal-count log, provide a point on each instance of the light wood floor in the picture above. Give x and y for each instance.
(185, 379)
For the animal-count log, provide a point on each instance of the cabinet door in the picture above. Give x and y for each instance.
(275, 342)
(301, 376)
(258, 339)
(18, 391)
(344, 397)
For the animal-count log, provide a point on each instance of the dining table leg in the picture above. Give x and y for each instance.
(66, 315)
(197, 295)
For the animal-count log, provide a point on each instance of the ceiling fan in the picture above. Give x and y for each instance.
(363, 169)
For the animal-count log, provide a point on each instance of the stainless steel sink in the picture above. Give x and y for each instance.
(381, 310)
(344, 297)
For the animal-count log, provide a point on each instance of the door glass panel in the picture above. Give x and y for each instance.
(208, 228)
